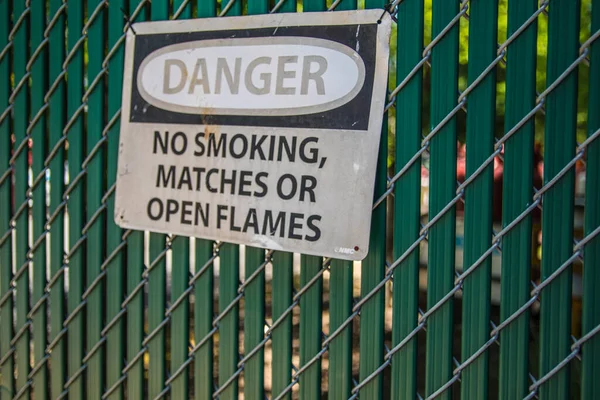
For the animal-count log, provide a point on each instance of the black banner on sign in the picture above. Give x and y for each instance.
(354, 115)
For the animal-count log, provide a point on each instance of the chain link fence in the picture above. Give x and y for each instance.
(88, 310)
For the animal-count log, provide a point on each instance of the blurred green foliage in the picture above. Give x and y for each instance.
(542, 28)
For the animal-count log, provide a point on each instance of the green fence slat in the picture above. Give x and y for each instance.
(516, 196)
(180, 336)
(76, 199)
(156, 313)
(114, 267)
(135, 308)
(186, 12)
(591, 273)
(135, 315)
(311, 300)
(56, 123)
(156, 310)
(282, 284)
(203, 318)
(39, 85)
(340, 348)
(346, 5)
(281, 340)
(180, 272)
(254, 324)
(135, 269)
(203, 291)
(288, 6)
(229, 276)
(157, 280)
(557, 212)
(234, 7)
(407, 199)
(442, 242)
(254, 303)
(311, 330)
(7, 388)
(483, 24)
(314, 5)
(258, 7)
(180, 277)
(340, 308)
(96, 119)
(373, 272)
(206, 8)
(20, 172)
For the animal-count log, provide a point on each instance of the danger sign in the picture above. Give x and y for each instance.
(260, 130)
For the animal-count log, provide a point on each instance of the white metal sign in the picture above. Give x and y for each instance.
(260, 130)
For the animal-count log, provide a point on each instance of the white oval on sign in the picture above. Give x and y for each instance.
(251, 76)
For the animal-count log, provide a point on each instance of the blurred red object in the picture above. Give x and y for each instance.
(461, 169)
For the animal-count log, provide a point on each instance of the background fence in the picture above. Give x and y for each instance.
(484, 264)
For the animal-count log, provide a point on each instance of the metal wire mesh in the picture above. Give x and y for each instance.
(74, 248)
